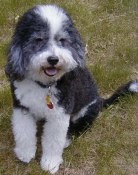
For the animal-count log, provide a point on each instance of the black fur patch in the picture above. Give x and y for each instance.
(77, 89)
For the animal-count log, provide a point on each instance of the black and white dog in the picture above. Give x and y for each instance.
(50, 81)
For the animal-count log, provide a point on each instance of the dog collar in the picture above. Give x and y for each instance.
(43, 85)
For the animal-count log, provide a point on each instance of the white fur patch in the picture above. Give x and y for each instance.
(24, 130)
(53, 15)
(82, 112)
(53, 141)
(33, 96)
(68, 142)
(134, 87)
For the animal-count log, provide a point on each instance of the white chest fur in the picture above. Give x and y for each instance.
(31, 95)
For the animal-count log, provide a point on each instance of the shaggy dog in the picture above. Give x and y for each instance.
(49, 81)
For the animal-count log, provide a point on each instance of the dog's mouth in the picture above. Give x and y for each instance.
(50, 71)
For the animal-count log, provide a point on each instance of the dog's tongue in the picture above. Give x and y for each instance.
(51, 71)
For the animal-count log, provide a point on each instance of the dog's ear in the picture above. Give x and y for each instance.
(14, 68)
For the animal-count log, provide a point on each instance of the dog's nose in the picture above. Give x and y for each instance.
(52, 60)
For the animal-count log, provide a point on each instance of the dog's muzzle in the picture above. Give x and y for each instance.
(52, 69)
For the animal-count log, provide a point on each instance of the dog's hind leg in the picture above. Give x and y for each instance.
(84, 119)
(81, 121)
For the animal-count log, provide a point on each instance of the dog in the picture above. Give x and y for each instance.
(50, 81)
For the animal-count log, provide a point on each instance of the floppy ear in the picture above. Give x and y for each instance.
(14, 68)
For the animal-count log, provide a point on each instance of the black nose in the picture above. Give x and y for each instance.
(52, 60)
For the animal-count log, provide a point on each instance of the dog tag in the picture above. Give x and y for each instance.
(48, 99)
(48, 102)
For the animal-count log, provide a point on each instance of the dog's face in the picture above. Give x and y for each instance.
(45, 45)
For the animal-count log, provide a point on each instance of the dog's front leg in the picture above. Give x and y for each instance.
(24, 130)
(53, 142)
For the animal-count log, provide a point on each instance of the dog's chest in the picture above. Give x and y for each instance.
(34, 97)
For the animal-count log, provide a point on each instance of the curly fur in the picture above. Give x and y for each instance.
(46, 55)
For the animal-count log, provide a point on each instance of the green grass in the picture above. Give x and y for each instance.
(109, 29)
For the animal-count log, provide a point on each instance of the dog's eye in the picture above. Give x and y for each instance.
(63, 41)
(38, 40)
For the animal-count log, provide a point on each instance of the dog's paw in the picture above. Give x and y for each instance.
(51, 164)
(24, 155)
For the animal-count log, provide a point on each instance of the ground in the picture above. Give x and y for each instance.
(109, 31)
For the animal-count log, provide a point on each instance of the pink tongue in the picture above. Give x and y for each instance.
(51, 71)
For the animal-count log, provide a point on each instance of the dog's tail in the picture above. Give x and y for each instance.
(129, 88)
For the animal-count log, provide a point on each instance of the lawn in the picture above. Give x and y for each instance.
(109, 31)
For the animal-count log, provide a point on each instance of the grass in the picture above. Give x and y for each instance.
(109, 29)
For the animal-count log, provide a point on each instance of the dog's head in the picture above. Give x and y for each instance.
(45, 45)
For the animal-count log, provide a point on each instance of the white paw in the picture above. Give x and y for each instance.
(24, 155)
(134, 86)
(51, 164)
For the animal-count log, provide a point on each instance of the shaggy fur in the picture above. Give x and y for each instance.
(46, 59)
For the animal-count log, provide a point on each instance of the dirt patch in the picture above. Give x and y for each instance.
(128, 167)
